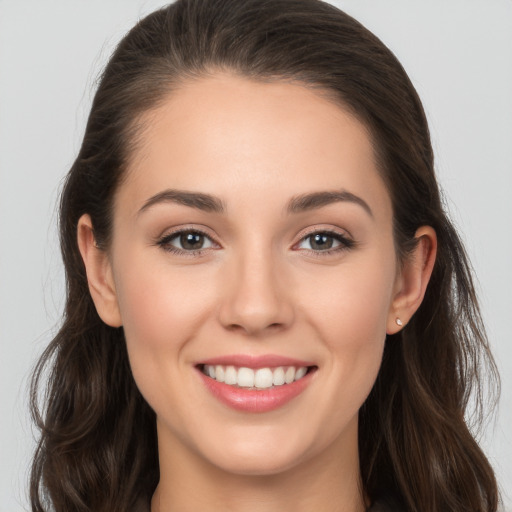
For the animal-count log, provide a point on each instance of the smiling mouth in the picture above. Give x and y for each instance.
(256, 379)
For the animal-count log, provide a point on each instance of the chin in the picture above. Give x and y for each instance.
(256, 465)
(262, 455)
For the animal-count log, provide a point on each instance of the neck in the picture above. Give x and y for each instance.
(328, 482)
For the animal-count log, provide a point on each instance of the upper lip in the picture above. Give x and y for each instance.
(251, 361)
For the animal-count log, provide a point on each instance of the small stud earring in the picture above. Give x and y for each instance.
(399, 322)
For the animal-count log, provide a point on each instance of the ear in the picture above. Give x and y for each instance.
(99, 274)
(413, 279)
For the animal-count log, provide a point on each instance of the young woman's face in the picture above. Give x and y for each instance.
(253, 234)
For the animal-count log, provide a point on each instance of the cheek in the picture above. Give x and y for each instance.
(351, 319)
(160, 304)
(354, 307)
(161, 309)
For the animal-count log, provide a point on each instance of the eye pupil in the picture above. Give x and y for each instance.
(321, 241)
(191, 240)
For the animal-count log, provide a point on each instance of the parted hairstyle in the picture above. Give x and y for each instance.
(98, 447)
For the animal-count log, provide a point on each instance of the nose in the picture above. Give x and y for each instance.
(256, 298)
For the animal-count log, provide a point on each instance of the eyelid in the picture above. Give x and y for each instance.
(336, 232)
(346, 241)
(186, 228)
(164, 239)
(319, 228)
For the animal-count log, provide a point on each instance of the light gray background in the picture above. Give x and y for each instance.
(458, 54)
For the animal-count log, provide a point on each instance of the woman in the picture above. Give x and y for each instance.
(267, 307)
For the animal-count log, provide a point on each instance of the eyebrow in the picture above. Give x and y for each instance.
(204, 202)
(212, 204)
(314, 200)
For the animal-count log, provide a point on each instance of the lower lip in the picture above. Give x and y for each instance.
(252, 400)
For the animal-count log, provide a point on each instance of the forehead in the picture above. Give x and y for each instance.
(233, 137)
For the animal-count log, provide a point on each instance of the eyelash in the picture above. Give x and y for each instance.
(345, 243)
(165, 242)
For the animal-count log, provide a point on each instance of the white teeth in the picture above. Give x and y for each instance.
(245, 378)
(289, 376)
(300, 372)
(219, 373)
(230, 377)
(262, 378)
(278, 377)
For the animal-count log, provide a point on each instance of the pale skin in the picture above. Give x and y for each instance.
(257, 284)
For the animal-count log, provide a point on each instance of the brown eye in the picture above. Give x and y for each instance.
(325, 241)
(186, 242)
(191, 241)
(321, 241)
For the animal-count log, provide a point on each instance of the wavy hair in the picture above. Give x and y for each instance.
(98, 448)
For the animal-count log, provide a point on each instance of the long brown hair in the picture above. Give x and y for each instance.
(98, 447)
